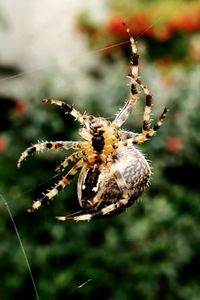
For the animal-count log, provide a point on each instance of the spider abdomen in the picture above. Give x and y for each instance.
(97, 188)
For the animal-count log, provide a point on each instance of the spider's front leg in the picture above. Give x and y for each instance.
(124, 113)
(68, 109)
(147, 130)
(59, 186)
(40, 147)
(134, 139)
(147, 133)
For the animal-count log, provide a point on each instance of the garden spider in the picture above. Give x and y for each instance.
(113, 172)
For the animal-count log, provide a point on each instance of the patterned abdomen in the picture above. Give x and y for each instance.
(97, 188)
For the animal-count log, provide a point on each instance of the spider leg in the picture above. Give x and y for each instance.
(147, 130)
(59, 186)
(147, 134)
(68, 109)
(73, 157)
(122, 116)
(135, 80)
(40, 147)
(102, 212)
(107, 209)
(161, 120)
(125, 111)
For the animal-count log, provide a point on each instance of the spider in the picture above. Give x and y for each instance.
(114, 173)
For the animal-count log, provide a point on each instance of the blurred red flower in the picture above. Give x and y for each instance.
(115, 25)
(2, 144)
(174, 144)
(186, 22)
(20, 107)
(140, 24)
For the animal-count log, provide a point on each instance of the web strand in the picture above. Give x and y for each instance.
(41, 68)
(21, 246)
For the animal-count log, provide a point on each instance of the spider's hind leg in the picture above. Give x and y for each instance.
(117, 205)
(100, 213)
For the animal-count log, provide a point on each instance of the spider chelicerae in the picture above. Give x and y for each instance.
(114, 173)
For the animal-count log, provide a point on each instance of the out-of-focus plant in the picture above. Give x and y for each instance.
(166, 26)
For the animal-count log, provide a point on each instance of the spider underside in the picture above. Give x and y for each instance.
(114, 173)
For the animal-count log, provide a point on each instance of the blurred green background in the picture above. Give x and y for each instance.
(69, 51)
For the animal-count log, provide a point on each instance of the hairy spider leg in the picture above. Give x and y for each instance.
(134, 79)
(124, 113)
(73, 157)
(161, 120)
(143, 137)
(107, 209)
(102, 212)
(122, 116)
(68, 109)
(147, 131)
(44, 146)
(58, 187)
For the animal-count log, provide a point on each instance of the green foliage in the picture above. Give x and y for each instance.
(151, 251)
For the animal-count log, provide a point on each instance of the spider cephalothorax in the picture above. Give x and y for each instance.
(113, 173)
